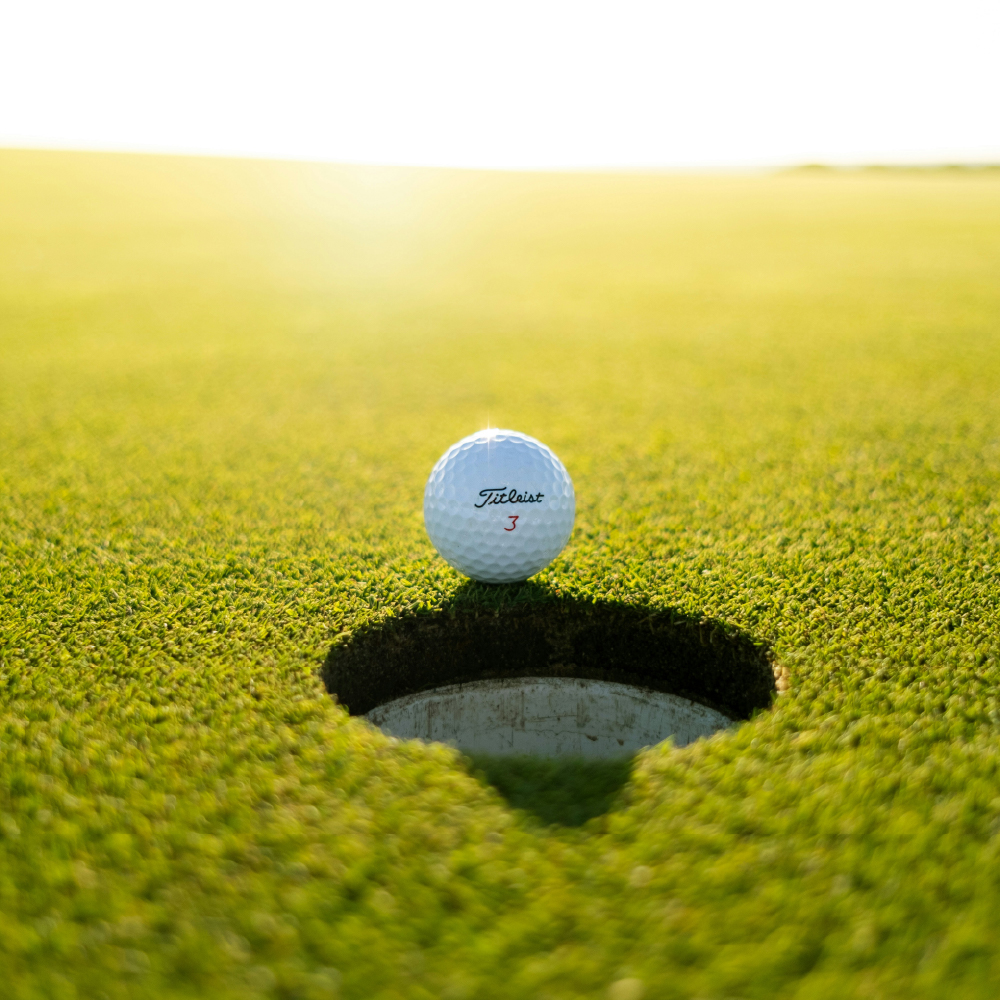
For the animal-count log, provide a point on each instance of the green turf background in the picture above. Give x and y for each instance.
(222, 385)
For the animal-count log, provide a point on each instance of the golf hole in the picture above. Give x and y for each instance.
(550, 677)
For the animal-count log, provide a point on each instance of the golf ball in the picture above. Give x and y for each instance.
(499, 506)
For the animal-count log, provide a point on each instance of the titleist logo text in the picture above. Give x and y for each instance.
(500, 494)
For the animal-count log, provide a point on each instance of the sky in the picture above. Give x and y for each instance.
(536, 85)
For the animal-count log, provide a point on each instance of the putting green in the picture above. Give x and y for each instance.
(222, 385)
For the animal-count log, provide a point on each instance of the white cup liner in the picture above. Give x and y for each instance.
(547, 716)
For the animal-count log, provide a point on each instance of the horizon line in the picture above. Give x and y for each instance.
(804, 165)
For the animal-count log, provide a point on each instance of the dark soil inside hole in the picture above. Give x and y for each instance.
(526, 631)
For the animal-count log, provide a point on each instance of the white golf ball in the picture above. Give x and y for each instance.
(499, 506)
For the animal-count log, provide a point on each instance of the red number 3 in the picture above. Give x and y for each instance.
(513, 518)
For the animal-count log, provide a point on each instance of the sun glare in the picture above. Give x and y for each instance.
(538, 85)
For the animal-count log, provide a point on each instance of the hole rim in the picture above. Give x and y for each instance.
(520, 631)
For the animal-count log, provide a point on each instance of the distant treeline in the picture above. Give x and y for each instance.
(897, 168)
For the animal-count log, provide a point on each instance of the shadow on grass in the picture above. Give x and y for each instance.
(565, 791)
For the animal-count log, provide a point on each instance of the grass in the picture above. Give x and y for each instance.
(222, 385)
(568, 791)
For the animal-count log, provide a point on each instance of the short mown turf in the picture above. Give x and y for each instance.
(566, 791)
(222, 386)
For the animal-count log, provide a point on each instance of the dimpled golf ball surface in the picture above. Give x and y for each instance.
(499, 506)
